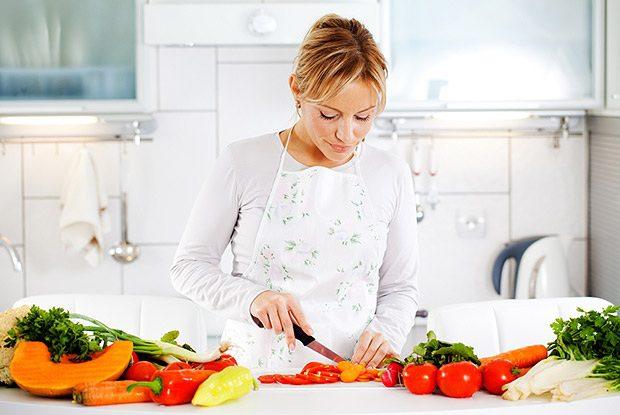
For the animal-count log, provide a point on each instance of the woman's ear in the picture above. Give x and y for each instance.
(292, 83)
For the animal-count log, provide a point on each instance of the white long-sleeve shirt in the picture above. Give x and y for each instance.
(229, 209)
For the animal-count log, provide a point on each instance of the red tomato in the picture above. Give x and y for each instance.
(134, 358)
(459, 379)
(218, 365)
(141, 371)
(497, 373)
(178, 366)
(420, 379)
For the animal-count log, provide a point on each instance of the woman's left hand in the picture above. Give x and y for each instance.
(371, 349)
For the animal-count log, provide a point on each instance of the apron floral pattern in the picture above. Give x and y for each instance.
(318, 239)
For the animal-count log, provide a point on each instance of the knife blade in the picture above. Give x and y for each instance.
(309, 342)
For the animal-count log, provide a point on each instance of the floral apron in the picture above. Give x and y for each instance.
(318, 239)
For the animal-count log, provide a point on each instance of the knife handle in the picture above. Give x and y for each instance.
(300, 334)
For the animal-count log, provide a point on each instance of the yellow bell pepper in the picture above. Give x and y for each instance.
(231, 383)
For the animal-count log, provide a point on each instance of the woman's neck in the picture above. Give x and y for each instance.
(302, 148)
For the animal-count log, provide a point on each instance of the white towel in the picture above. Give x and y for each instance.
(84, 218)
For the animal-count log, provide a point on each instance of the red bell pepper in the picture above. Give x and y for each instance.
(218, 365)
(174, 387)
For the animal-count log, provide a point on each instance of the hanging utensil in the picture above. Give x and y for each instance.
(125, 252)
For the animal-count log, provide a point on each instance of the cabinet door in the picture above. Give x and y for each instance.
(613, 54)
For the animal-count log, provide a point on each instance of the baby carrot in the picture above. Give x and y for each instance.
(109, 393)
(523, 357)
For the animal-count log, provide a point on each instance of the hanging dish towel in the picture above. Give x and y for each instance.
(84, 217)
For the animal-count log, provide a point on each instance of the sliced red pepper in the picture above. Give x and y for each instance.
(178, 366)
(315, 378)
(267, 378)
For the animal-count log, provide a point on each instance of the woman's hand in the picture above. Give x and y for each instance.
(371, 349)
(278, 311)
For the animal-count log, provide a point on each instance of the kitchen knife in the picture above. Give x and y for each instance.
(309, 342)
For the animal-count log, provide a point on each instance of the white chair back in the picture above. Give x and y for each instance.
(492, 327)
(146, 316)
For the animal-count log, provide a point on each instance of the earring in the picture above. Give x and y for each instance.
(298, 104)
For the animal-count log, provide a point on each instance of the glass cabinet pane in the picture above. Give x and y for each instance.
(67, 50)
(500, 50)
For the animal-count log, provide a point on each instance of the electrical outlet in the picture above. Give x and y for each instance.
(471, 224)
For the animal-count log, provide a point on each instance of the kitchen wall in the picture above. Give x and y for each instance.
(208, 97)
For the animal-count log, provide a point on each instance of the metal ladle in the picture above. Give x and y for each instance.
(125, 252)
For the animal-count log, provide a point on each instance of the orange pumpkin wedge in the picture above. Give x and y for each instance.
(33, 371)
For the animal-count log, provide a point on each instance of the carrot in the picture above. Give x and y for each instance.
(523, 357)
(109, 393)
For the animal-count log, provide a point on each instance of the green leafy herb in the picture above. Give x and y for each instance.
(54, 328)
(171, 337)
(591, 335)
(440, 353)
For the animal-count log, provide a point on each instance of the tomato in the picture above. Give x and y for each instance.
(420, 379)
(178, 366)
(140, 371)
(459, 379)
(497, 373)
(134, 358)
(218, 365)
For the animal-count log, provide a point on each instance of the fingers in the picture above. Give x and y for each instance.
(362, 346)
(375, 344)
(383, 350)
(275, 319)
(263, 316)
(299, 316)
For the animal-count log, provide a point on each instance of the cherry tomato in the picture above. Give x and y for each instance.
(420, 379)
(459, 379)
(140, 371)
(497, 373)
(178, 366)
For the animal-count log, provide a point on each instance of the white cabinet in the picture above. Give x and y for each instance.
(246, 23)
(612, 94)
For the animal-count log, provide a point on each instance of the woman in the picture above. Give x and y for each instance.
(322, 227)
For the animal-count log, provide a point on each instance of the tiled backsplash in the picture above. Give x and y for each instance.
(208, 97)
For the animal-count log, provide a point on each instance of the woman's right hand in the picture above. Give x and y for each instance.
(278, 311)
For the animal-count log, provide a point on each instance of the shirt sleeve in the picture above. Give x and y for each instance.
(398, 295)
(196, 271)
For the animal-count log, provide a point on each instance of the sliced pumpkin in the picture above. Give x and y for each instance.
(33, 371)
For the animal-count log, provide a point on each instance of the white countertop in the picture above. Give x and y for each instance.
(345, 399)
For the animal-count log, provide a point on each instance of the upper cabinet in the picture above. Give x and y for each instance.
(246, 22)
(612, 95)
(72, 56)
(501, 54)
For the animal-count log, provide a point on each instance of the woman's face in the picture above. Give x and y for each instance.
(337, 125)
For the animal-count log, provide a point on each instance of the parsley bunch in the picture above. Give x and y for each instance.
(591, 335)
(54, 328)
(440, 353)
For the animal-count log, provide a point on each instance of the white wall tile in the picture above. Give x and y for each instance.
(52, 270)
(11, 193)
(253, 100)
(167, 174)
(45, 167)
(463, 165)
(12, 281)
(549, 194)
(187, 78)
(256, 54)
(455, 269)
(149, 274)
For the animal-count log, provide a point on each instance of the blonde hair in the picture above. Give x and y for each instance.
(335, 52)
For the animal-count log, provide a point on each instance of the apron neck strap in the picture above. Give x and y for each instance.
(288, 140)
